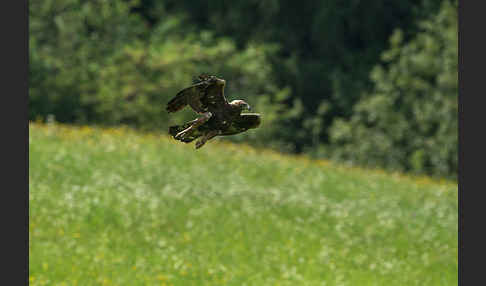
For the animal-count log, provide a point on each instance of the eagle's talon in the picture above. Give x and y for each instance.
(199, 144)
(180, 135)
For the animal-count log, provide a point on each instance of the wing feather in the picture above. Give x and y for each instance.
(243, 123)
(214, 98)
(202, 97)
(190, 95)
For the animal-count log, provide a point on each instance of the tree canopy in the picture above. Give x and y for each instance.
(368, 82)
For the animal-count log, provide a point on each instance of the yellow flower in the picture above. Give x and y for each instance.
(187, 237)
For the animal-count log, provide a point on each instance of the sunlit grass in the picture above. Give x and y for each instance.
(116, 207)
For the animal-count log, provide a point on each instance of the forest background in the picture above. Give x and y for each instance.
(371, 83)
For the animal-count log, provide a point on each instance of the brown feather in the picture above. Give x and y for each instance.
(189, 95)
(202, 97)
(177, 103)
(243, 123)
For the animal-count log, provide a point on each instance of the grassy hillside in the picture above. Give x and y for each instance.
(115, 207)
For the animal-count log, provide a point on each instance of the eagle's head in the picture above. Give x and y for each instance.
(241, 104)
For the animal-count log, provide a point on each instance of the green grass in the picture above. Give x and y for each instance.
(116, 207)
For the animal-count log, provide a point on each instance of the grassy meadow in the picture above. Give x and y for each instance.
(117, 207)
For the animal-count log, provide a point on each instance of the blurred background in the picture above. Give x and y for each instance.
(371, 83)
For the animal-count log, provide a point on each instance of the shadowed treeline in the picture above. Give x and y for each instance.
(365, 82)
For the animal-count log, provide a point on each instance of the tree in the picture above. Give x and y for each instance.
(138, 80)
(69, 41)
(409, 120)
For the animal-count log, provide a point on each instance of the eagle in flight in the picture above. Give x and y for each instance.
(219, 117)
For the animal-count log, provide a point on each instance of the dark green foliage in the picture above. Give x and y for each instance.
(97, 62)
(409, 120)
(327, 48)
(69, 42)
(304, 65)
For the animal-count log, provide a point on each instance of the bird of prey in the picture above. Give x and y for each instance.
(210, 128)
(206, 97)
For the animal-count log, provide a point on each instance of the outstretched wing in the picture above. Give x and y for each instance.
(203, 96)
(213, 98)
(243, 123)
(191, 95)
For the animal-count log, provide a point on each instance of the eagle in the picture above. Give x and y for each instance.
(210, 129)
(219, 117)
